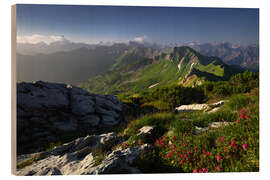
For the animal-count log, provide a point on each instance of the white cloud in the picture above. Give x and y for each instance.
(37, 38)
(140, 39)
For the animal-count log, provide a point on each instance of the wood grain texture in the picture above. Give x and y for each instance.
(13, 89)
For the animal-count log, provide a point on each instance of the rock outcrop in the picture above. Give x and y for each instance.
(120, 160)
(212, 126)
(79, 157)
(192, 107)
(210, 108)
(149, 133)
(50, 112)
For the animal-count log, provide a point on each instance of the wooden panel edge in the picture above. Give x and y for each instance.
(13, 91)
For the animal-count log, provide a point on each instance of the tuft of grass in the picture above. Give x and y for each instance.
(53, 145)
(98, 159)
(25, 163)
(182, 126)
(239, 101)
(30, 160)
(160, 120)
(221, 116)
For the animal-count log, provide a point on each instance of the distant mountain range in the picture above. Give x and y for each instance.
(245, 56)
(57, 46)
(69, 62)
(136, 70)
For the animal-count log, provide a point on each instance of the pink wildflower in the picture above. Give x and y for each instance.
(233, 144)
(244, 147)
(169, 154)
(181, 155)
(218, 168)
(204, 170)
(222, 139)
(218, 157)
(182, 162)
(203, 151)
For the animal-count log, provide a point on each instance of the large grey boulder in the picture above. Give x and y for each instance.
(51, 111)
(82, 105)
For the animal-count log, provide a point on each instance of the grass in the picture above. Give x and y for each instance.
(238, 101)
(53, 145)
(99, 157)
(25, 163)
(30, 160)
(160, 120)
(212, 68)
(232, 148)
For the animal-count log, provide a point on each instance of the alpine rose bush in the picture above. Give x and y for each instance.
(226, 153)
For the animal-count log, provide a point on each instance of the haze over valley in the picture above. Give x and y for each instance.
(72, 62)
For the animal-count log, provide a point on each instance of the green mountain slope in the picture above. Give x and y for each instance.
(141, 69)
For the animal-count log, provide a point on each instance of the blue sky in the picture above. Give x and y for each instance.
(154, 24)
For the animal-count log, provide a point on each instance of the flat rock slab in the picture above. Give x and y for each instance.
(192, 107)
(211, 126)
(211, 108)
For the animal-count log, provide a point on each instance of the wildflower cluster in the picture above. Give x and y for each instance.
(197, 159)
(191, 153)
(132, 142)
(243, 114)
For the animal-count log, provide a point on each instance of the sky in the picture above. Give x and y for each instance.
(92, 24)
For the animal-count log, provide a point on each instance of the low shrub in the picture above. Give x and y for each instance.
(160, 120)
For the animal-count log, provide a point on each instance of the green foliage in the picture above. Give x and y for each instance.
(171, 97)
(30, 160)
(239, 83)
(182, 127)
(149, 162)
(177, 95)
(99, 157)
(216, 69)
(53, 145)
(220, 116)
(25, 163)
(238, 101)
(160, 120)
